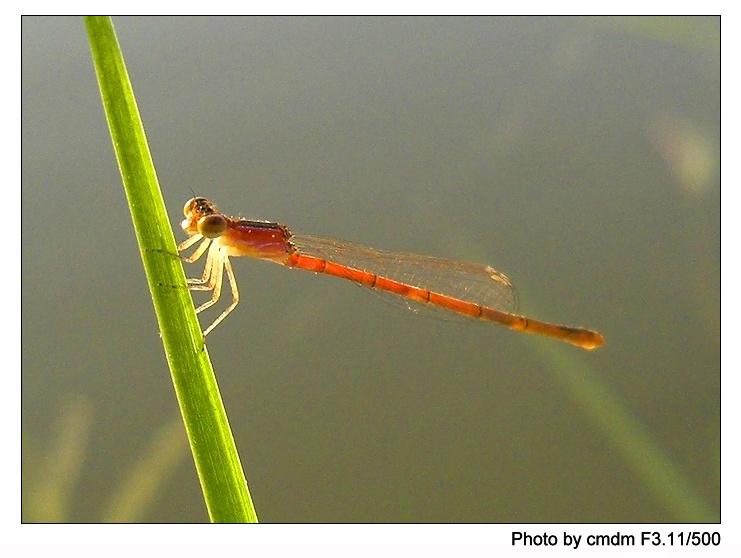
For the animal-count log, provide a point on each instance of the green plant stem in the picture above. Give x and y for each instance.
(212, 444)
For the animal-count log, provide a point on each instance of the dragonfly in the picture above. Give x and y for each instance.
(472, 290)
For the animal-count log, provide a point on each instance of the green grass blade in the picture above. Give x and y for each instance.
(628, 436)
(605, 409)
(215, 455)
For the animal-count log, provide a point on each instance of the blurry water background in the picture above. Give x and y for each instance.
(579, 156)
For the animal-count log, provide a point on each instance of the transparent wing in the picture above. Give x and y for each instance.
(480, 284)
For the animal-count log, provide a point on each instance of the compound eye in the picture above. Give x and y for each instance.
(198, 206)
(189, 206)
(212, 226)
